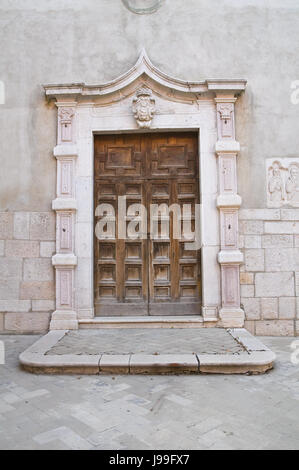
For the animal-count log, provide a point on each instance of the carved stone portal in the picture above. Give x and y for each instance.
(144, 107)
(283, 182)
(84, 111)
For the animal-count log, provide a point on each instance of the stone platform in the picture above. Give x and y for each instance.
(148, 351)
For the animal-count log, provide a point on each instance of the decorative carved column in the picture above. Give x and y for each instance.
(228, 203)
(65, 261)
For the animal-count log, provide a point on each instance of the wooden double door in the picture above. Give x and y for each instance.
(149, 273)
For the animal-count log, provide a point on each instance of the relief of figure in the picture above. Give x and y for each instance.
(276, 184)
(292, 184)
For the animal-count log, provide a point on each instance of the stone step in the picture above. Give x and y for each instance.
(176, 351)
(145, 322)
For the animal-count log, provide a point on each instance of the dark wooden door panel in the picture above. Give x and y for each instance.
(121, 276)
(174, 274)
(173, 155)
(121, 156)
(156, 275)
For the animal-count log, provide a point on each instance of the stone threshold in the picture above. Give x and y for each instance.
(256, 359)
(192, 321)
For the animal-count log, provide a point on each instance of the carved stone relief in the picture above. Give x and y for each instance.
(283, 182)
(65, 129)
(225, 113)
(144, 107)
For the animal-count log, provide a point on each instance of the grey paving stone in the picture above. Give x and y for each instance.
(149, 412)
(147, 341)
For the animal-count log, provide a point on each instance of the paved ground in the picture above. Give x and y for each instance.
(149, 412)
(148, 341)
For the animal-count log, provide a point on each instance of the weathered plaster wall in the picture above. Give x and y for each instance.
(96, 40)
(61, 41)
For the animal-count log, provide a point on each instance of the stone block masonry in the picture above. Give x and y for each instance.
(269, 277)
(27, 291)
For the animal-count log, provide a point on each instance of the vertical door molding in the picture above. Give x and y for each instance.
(228, 203)
(65, 205)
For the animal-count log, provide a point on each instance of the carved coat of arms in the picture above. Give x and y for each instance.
(144, 107)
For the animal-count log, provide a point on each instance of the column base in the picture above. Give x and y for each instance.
(232, 317)
(210, 314)
(64, 320)
(86, 313)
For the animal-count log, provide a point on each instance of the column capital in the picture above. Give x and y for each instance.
(225, 117)
(66, 123)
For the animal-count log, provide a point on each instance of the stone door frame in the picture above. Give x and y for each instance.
(206, 107)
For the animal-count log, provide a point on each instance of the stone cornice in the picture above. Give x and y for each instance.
(67, 150)
(144, 67)
(64, 204)
(229, 200)
(67, 259)
(230, 257)
(227, 146)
